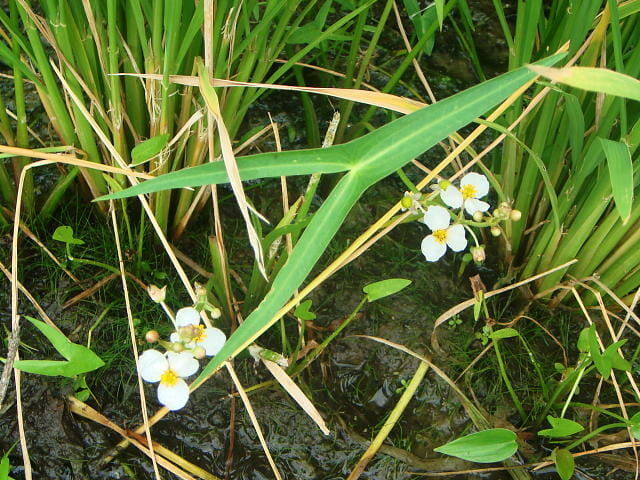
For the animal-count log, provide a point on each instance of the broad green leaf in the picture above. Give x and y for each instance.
(79, 359)
(65, 234)
(487, 446)
(634, 425)
(504, 333)
(384, 288)
(560, 427)
(303, 313)
(621, 175)
(565, 463)
(148, 149)
(593, 80)
(368, 159)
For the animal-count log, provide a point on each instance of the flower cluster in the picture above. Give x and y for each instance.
(448, 223)
(190, 342)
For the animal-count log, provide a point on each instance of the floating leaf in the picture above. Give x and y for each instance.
(504, 333)
(65, 234)
(79, 359)
(620, 175)
(565, 463)
(487, 446)
(148, 149)
(384, 288)
(560, 427)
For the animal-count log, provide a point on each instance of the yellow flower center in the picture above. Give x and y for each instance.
(200, 333)
(440, 235)
(469, 191)
(169, 378)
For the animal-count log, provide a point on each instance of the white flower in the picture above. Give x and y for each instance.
(169, 369)
(434, 246)
(211, 339)
(472, 187)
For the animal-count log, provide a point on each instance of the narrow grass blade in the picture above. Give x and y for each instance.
(620, 174)
(593, 80)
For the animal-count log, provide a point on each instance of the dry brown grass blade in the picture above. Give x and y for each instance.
(254, 419)
(84, 410)
(211, 99)
(296, 393)
(89, 291)
(134, 342)
(377, 99)
(390, 422)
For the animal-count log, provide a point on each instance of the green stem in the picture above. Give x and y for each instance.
(507, 382)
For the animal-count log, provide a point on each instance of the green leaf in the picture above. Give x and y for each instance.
(79, 359)
(621, 175)
(602, 363)
(583, 340)
(614, 357)
(504, 333)
(560, 427)
(593, 80)
(384, 288)
(65, 234)
(487, 446)
(149, 148)
(634, 425)
(565, 463)
(5, 466)
(303, 313)
(440, 11)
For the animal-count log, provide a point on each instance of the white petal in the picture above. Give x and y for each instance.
(183, 363)
(432, 249)
(187, 316)
(473, 205)
(456, 238)
(451, 196)
(174, 337)
(151, 365)
(436, 218)
(477, 180)
(174, 398)
(213, 341)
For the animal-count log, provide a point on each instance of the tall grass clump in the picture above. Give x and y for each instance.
(75, 53)
(570, 166)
